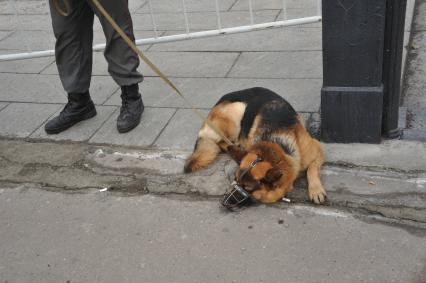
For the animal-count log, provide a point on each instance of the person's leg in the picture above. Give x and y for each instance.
(73, 48)
(122, 62)
(73, 53)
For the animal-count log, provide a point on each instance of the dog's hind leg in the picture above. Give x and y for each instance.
(317, 193)
(226, 118)
(205, 152)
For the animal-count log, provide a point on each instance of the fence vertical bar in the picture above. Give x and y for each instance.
(152, 18)
(285, 16)
(185, 15)
(319, 7)
(251, 12)
(219, 22)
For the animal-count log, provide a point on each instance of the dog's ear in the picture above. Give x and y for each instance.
(237, 152)
(273, 175)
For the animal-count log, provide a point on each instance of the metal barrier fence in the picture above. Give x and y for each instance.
(15, 6)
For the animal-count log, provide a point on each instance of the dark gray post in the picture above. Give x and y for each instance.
(352, 92)
(394, 38)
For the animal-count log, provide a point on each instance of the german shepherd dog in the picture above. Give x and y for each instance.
(272, 145)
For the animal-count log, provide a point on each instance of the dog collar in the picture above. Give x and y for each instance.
(252, 165)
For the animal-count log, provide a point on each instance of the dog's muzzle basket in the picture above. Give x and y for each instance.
(236, 198)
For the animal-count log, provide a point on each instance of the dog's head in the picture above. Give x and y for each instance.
(255, 168)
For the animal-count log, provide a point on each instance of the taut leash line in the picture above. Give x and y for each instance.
(133, 46)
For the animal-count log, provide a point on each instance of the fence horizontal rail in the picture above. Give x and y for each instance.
(178, 37)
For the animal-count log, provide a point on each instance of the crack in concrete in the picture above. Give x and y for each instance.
(346, 165)
(134, 175)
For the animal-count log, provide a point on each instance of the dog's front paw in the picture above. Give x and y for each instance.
(317, 194)
(272, 196)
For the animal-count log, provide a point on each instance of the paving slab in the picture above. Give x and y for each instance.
(31, 88)
(3, 105)
(274, 4)
(26, 22)
(304, 64)
(48, 88)
(4, 34)
(24, 7)
(153, 121)
(174, 64)
(27, 41)
(173, 6)
(135, 5)
(9, 51)
(21, 119)
(191, 64)
(156, 93)
(28, 66)
(41, 20)
(30, 7)
(303, 94)
(102, 88)
(200, 20)
(279, 39)
(82, 131)
(181, 132)
(99, 37)
(301, 13)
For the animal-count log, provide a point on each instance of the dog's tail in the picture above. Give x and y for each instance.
(205, 152)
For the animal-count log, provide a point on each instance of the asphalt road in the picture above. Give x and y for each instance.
(103, 237)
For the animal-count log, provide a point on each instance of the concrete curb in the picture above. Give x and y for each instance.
(398, 155)
(378, 179)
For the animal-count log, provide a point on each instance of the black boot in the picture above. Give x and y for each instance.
(131, 109)
(79, 107)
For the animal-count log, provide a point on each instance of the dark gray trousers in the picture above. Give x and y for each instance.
(74, 39)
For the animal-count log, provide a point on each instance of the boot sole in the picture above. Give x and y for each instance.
(86, 116)
(128, 129)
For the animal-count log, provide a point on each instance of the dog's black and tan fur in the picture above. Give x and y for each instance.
(263, 125)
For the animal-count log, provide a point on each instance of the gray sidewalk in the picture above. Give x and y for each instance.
(286, 60)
